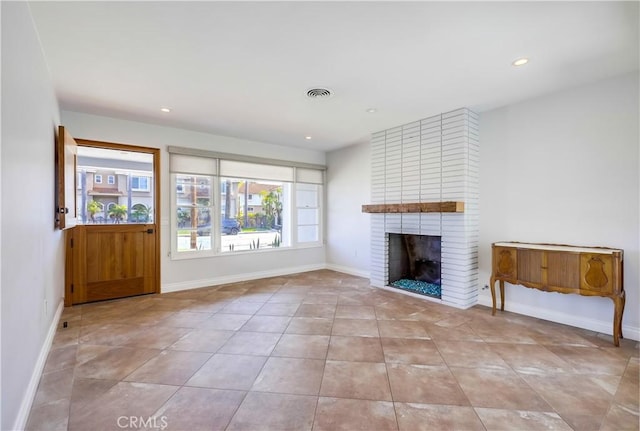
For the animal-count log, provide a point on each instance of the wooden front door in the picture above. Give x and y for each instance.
(113, 251)
(113, 261)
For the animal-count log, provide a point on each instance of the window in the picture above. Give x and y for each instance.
(115, 167)
(213, 212)
(194, 213)
(140, 183)
(268, 228)
(308, 212)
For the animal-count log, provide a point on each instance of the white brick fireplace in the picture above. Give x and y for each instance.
(432, 160)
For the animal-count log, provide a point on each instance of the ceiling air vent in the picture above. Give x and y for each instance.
(319, 93)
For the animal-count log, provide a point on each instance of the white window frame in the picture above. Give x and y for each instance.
(190, 254)
(111, 179)
(319, 224)
(139, 189)
(196, 162)
(284, 234)
(97, 178)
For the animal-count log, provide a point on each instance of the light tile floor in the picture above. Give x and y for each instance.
(325, 351)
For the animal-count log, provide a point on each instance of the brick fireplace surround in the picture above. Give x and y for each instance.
(416, 169)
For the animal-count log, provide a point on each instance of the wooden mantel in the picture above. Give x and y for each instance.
(416, 207)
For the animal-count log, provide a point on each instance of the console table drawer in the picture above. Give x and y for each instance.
(596, 273)
(505, 260)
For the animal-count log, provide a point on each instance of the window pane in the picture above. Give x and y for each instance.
(114, 186)
(190, 240)
(308, 233)
(194, 189)
(308, 211)
(307, 216)
(193, 217)
(306, 197)
(194, 212)
(252, 214)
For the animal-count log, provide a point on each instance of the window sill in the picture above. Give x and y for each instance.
(202, 255)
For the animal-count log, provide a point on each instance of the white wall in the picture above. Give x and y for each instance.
(32, 250)
(190, 273)
(348, 229)
(563, 168)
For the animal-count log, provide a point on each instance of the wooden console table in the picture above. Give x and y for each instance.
(588, 271)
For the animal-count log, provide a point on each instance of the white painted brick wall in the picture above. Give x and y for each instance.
(435, 159)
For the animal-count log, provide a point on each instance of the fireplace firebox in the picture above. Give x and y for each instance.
(415, 263)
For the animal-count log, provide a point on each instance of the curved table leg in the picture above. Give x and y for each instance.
(501, 295)
(621, 313)
(618, 309)
(493, 295)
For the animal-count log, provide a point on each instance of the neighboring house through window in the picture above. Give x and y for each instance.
(104, 178)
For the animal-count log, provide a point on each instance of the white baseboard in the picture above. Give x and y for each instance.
(226, 279)
(603, 327)
(30, 394)
(347, 270)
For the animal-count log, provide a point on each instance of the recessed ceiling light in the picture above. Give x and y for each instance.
(307, 137)
(165, 109)
(372, 110)
(520, 61)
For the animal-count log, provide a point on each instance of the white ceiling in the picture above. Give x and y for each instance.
(242, 68)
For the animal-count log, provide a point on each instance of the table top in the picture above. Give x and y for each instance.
(558, 247)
